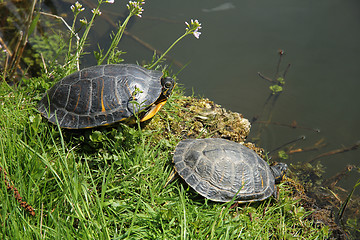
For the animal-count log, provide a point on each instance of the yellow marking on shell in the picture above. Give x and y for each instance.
(102, 99)
(222, 177)
(262, 182)
(153, 111)
(78, 99)
(242, 179)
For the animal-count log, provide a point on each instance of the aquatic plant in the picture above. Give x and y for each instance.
(345, 203)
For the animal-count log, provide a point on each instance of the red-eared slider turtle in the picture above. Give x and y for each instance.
(105, 94)
(219, 169)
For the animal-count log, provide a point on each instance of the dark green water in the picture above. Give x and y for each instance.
(321, 40)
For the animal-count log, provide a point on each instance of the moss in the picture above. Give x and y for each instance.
(190, 117)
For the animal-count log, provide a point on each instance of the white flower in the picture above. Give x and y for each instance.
(77, 7)
(193, 28)
(196, 33)
(83, 21)
(135, 7)
(110, 1)
(96, 11)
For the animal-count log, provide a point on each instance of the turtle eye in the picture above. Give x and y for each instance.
(168, 84)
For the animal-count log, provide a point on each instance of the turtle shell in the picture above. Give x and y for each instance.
(219, 169)
(101, 95)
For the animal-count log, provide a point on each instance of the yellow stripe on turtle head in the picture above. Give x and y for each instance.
(153, 110)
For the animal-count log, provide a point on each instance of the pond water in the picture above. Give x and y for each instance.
(321, 40)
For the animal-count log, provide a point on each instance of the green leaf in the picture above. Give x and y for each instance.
(283, 155)
(33, 23)
(276, 89)
(97, 136)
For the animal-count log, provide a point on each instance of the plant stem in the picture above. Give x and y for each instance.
(172, 45)
(116, 40)
(82, 41)
(72, 33)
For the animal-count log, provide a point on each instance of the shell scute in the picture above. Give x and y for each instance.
(81, 104)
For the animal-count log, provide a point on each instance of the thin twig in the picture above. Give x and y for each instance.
(71, 30)
(286, 70)
(315, 147)
(43, 61)
(285, 144)
(278, 65)
(266, 78)
(6, 66)
(332, 181)
(336, 151)
(22, 43)
(8, 55)
(63, 20)
(3, 44)
(13, 58)
(292, 125)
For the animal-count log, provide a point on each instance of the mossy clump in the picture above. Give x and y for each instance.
(190, 117)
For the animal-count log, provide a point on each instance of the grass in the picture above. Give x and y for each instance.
(109, 184)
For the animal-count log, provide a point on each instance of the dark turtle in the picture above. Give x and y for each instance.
(105, 94)
(219, 169)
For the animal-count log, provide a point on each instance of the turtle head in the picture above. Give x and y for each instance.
(278, 171)
(168, 85)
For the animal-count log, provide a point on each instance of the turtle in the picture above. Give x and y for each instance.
(222, 170)
(104, 94)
